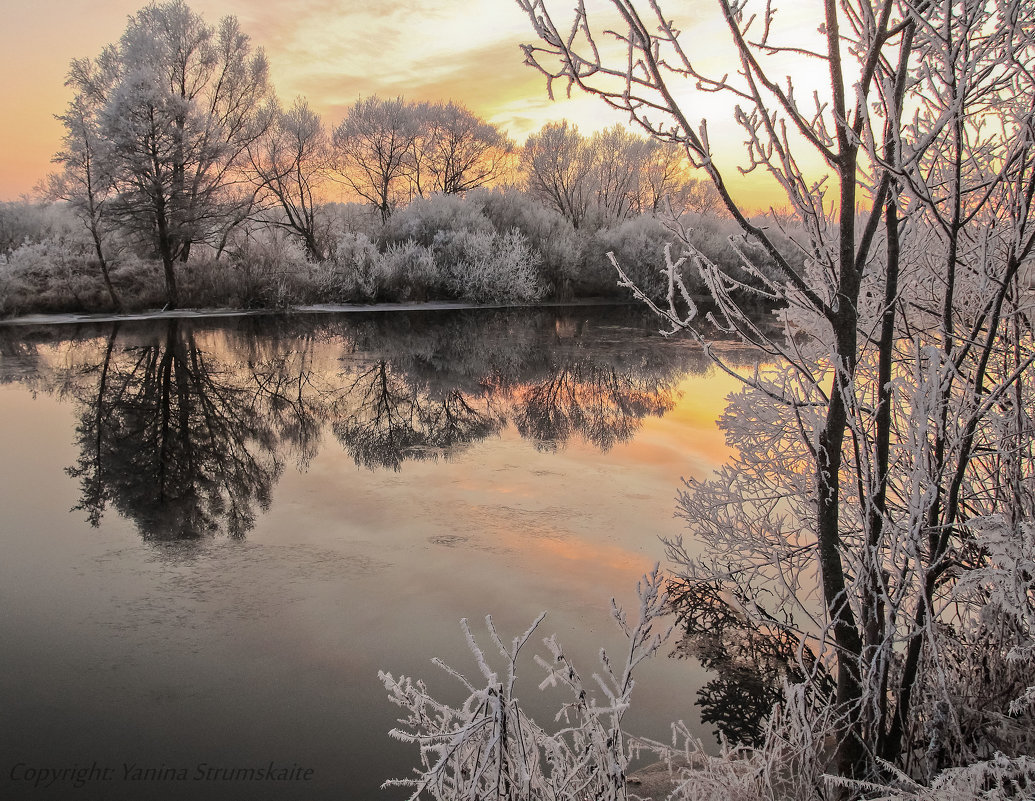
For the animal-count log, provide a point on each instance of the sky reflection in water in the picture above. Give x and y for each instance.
(266, 511)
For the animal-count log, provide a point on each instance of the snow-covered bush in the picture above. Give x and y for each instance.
(359, 218)
(637, 245)
(489, 268)
(259, 272)
(426, 217)
(407, 271)
(27, 223)
(53, 275)
(348, 275)
(547, 231)
(488, 746)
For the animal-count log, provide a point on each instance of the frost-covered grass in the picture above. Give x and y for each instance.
(488, 746)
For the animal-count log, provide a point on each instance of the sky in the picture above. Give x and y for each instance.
(330, 51)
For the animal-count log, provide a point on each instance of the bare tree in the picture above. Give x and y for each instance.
(901, 403)
(556, 162)
(373, 147)
(83, 183)
(456, 151)
(290, 162)
(619, 157)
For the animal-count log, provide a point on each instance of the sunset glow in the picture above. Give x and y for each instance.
(331, 52)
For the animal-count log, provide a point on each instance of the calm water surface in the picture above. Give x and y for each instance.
(215, 532)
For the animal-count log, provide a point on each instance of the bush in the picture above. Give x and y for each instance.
(348, 275)
(490, 744)
(638, 246)
(407, 271)
(271, 272)
(426, 217)
(547, 231)
(490, 268)
(55, 275)
(358, 218)
(26, 223)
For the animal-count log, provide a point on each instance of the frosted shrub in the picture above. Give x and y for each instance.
(488, 747)
(490, 268)
(547, 231)
(53, 275)
(425, 217)
(992, 701)
(260, 272)
(25, 223)
(636, 244)
(139, 281)
(789, 766)
(996, 779)
(349, 273)
(406, 271)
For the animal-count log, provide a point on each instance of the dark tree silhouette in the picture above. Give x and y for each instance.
(751, 663)
(386, 419)
(173, 442)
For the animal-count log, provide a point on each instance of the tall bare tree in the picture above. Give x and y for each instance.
(456, 151)
(83, 182)
(557, 162)
(290, 163)
(912, 232)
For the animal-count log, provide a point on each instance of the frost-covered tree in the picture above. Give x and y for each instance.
(373, 148)
(290, 162)
(889, 425)
(556, 162)
(610, 176)
(619, 157)
(456, 151)
(177, 102)
(83, 181)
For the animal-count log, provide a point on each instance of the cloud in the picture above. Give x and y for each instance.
(331, 51)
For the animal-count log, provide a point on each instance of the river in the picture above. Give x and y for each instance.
(216, 531)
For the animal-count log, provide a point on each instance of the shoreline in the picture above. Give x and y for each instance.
(76, 318)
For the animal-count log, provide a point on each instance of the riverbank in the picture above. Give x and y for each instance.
(317, 308)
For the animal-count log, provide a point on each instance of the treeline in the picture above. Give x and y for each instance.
(183, 181)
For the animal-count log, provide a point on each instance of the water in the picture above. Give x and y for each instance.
(216, 532)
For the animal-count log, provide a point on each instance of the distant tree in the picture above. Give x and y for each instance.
(666, 183)
(23, 222)
(618, 161)
(373, 148)
(289, 163)
(456, 151)
(556, 162)
(177, 103)
(610, 176)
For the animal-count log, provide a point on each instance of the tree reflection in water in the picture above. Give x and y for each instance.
(172, 440)
(384, 419)
(751, 663)
(591, 399)
(184, 425)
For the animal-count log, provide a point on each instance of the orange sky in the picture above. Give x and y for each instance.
(330, 51)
